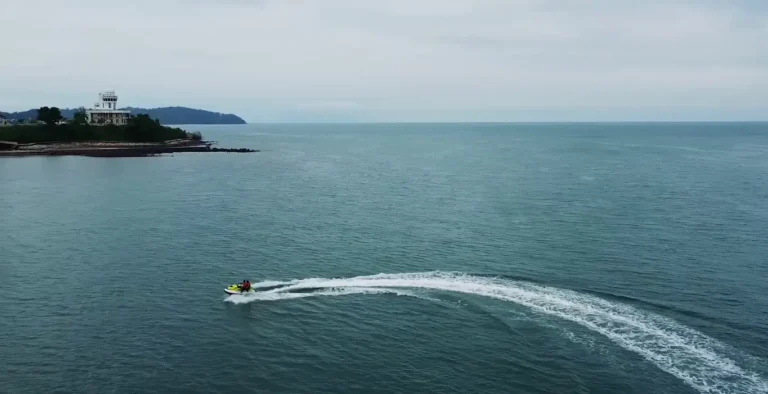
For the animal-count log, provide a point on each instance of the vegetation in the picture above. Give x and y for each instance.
(79, 118)
(49, 115)
(167, 115)
(140, 128)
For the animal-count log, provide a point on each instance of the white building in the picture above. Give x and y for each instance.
(105, 111)
(4, 121)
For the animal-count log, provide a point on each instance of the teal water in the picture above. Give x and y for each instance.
(426, 258)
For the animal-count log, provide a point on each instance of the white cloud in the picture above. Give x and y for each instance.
(393, 60)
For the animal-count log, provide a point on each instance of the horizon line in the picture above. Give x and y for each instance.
(505, 122)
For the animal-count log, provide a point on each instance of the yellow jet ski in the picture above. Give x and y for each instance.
(237, 288)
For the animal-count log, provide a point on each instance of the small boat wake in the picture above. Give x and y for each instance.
(700, 361)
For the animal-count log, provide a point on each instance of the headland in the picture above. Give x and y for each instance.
(101, 131)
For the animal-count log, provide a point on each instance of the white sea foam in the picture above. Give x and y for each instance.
(267, 283)
(277, 295)
(700, 361)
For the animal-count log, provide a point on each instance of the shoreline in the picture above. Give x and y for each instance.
(116, 149)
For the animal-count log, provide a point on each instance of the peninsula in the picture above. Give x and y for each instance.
(103, 130)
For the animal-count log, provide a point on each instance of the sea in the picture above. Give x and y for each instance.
(394, 258)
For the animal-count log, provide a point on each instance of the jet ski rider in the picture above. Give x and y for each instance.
(245, 286)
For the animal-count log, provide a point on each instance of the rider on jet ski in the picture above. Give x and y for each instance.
(245, 286)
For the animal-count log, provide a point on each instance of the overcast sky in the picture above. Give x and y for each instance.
(394, 60)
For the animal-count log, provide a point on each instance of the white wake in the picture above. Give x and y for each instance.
(700, 361)
(279, 295)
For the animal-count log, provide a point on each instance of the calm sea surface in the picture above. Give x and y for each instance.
(426, 258)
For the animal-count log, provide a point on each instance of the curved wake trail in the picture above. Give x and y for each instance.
(280, 294)
(700, 361)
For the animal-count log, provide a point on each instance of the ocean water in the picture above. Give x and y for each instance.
(394, 258)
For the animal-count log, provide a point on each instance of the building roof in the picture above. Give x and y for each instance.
(107, 111)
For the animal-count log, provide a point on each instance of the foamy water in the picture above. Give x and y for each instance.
(700, 361)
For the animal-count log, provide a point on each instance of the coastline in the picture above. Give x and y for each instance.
(116, 149)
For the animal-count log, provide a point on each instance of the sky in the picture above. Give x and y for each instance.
(394, 60)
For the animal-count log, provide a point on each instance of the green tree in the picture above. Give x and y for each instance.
(56, 115)
(49, 115)
(43, 113)
(79, 117)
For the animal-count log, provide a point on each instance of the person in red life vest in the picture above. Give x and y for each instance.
(245, 286)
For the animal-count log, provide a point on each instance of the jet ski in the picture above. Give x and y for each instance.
(237, 289)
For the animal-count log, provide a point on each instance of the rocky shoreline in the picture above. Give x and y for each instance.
(116, 149)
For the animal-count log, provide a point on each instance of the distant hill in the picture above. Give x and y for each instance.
(167, 115)
(25, 115)
(183, 115)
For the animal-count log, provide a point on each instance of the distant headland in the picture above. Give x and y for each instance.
(105, 130)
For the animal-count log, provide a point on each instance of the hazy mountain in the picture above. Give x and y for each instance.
(183, 115)
(167, 115)
(25, 115)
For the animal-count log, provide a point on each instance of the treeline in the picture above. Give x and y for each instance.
(140, 128)
(167, 115)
